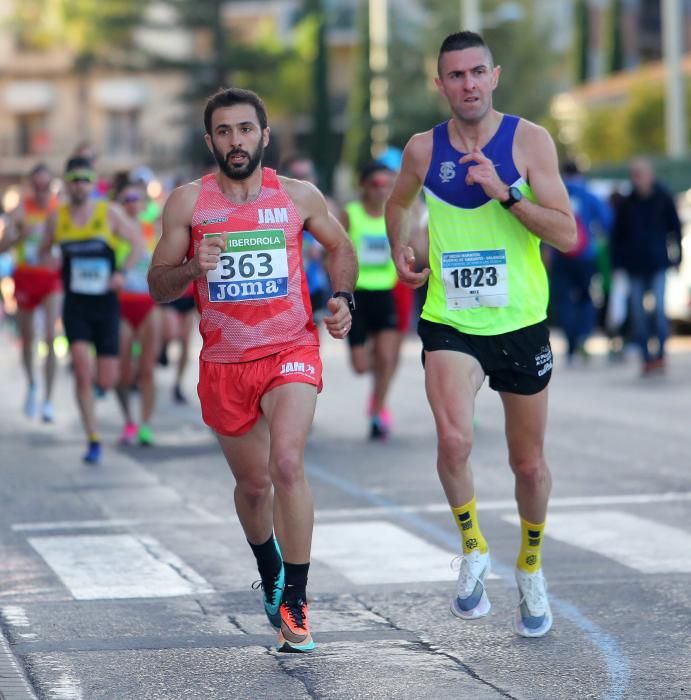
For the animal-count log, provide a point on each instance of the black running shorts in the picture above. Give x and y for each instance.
(375, 311)
(94, 320)
(519, 362)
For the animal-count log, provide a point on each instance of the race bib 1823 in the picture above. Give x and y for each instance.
(474, 278)
(253, 266)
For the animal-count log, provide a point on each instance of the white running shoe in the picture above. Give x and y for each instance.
(471, 599)
(31, 401)
(48, 412)
(533, 616)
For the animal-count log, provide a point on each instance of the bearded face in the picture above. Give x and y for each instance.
(238, 164)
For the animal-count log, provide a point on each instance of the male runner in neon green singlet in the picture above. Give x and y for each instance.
(493, 190)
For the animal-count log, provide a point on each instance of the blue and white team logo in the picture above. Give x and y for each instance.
(447, 170)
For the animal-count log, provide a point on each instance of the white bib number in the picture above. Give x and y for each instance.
(89, 275)
(475, 278)
(374, 250)
(253, 266)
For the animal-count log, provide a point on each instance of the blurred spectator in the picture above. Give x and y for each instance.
(301, 167)
(37, 287)
(572, 273)
(616, 290)
(645, 225)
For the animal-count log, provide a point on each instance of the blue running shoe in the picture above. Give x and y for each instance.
(273, 593)
(93, 453)
(533, 616)
(471, 599)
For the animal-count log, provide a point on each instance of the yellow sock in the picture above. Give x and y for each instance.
(94, 437)
(531, 542)
(466, 519)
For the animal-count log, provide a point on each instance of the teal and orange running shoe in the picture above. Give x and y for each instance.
(273, 592)
(294, 635)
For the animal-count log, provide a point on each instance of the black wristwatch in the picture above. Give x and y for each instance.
(515, 195)
(350, 300)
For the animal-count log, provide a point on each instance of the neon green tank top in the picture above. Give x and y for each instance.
(368, 233)
(487, 273)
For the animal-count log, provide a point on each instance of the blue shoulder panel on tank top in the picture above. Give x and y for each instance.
(445, 178)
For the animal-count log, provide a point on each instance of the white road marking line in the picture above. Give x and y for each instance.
(345, 513)
(118, 566)
(380, 552)
(639, 543)
(66, 688)
(510, 504)
(204, 519)
(15, 616)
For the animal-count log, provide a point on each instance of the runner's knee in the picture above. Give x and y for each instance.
(254, 490)
(529, 468)
(287, 469)
(454, 445)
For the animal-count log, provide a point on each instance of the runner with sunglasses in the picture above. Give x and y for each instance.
(87, 232)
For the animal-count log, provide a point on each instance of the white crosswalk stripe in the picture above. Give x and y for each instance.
(378, 551)
(118, 566)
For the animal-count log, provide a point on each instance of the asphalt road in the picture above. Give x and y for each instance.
(133, 581)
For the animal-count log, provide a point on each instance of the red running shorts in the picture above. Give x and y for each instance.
(230, 393)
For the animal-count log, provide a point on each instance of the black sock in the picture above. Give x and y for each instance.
(296, 581)
(268, 559)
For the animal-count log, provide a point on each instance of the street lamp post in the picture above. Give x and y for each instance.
(379, 82)
(471, 17)
(675, 87)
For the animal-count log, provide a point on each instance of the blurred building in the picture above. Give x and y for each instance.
(136, 115)
(635, 27)
(48, 106)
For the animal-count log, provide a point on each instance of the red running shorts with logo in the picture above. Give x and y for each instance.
(230, 393)
(33, 284)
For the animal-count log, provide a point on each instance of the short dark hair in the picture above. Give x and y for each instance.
(78, 163)
(228, 97)
(459, 41)
(374, 166)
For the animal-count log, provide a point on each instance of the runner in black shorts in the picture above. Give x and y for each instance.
(88, 232)
(375, 315)
(494, 196)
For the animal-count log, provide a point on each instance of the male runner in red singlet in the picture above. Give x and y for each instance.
(35, 285)
(238, 235)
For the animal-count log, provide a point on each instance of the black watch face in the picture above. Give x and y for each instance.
(515, 193)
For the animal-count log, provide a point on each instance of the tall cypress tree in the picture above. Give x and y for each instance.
(583, 34)
(322, 137)
(616, 50)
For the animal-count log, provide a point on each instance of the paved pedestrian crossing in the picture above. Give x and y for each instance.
(366, 552)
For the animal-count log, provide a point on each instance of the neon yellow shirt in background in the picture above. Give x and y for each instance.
(368, 233)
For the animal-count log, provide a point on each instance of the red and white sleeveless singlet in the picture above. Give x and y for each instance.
(256, 302)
